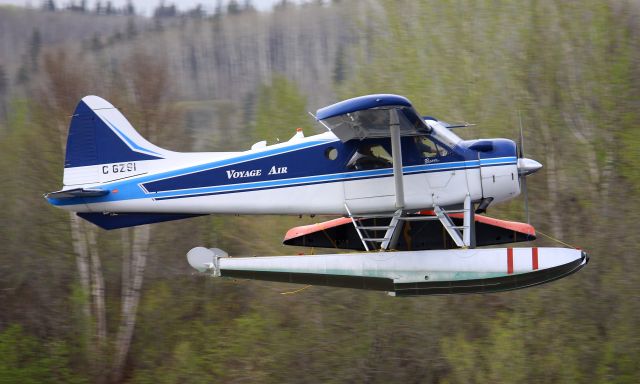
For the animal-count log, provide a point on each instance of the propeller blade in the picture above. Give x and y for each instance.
(523, 187)
(523, 175)
(521, 143)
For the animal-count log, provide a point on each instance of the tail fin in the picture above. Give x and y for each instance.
(102, 145)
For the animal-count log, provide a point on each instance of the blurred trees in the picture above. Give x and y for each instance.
(149, 84)
(66, 84)
(225, 81)
(280, 110)
(25, 359)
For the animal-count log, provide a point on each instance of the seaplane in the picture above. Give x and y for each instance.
(407, 196)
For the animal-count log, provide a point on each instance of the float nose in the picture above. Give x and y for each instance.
(528, 166)
(585, 257)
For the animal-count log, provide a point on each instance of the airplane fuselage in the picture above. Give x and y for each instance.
(310, 175)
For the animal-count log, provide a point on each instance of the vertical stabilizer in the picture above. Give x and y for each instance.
(103, 146)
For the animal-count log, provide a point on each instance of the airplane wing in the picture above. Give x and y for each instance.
(369, 117)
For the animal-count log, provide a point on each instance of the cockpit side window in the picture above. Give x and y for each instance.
(428, 149)
(370, 156)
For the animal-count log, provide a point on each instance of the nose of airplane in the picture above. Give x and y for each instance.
(527, 166)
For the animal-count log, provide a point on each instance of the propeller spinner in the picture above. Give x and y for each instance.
(527, 166)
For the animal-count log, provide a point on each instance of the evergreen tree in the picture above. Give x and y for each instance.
(129, 9)
(49, 5)
(233, 7)
(35, 44)
(99, 8)
(4, 88)
(132, 30)
(3, 81)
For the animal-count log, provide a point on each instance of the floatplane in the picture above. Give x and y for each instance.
(410, 197)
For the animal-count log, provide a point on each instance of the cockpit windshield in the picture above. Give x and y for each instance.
(428, 147)
(443, 134)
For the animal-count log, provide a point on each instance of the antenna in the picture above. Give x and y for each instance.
(319, 121)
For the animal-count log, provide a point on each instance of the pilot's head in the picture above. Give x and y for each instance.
(423, 145)
(365, 149)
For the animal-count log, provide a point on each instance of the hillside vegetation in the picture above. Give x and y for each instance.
(78, 304)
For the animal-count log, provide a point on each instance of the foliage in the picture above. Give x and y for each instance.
(25, 359)
(280, 110)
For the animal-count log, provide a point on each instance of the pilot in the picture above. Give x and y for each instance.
(423, 147)
(364, 158)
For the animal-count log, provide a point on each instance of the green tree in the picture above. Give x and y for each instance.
(25, 359)
(280, 110)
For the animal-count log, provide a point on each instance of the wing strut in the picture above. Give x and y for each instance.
(396, 154)
(463, 235)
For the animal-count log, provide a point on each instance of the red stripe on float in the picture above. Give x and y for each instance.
(509, 260)
(534, 258)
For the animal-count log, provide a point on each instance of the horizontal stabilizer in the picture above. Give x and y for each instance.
(124, 220)
(77, 192)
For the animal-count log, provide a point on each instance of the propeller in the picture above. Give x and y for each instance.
(523, 178)
(525, 167)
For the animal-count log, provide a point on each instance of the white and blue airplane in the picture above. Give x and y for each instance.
(401, 183)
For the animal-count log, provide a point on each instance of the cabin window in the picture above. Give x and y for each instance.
(429, 149)
(370, 156)
(331, 153)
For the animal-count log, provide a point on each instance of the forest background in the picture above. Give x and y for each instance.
(79, 304)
